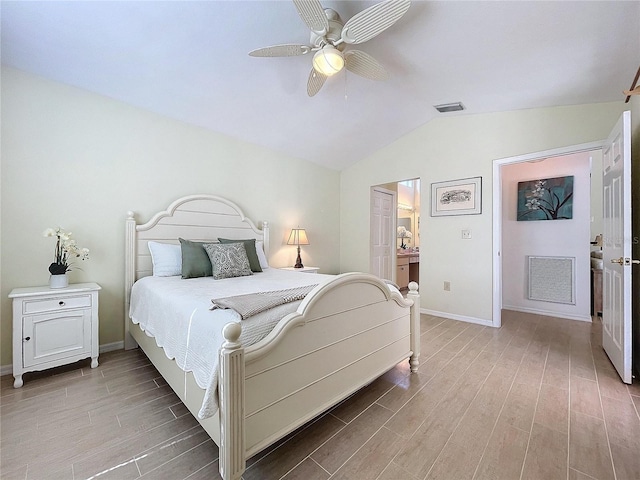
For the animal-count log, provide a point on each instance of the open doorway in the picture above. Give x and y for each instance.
(395, 231)
(509, 257)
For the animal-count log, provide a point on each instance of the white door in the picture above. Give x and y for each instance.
(383, 220)
(616, 247)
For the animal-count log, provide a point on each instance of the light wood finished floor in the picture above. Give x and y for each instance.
(536, 399)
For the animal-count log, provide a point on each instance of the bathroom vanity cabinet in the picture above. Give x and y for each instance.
(408, 269)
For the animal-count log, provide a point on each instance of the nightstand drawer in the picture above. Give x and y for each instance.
(56, 304)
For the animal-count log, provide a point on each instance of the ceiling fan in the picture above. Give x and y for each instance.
(330, 35)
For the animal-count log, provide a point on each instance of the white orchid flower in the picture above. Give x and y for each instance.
(65, 249)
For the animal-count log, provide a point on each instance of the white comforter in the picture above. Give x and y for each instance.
(176, 313)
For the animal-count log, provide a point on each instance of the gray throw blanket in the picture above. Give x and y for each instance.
(254, 303)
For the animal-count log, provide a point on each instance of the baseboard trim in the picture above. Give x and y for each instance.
(107, 347)
(462, 318)
(547, 313)
(110, 347)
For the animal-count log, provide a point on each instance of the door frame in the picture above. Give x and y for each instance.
(497, 211)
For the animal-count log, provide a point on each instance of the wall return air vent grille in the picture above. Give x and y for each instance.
(552, 279)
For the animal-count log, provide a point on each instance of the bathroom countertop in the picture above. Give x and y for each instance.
(408, 254)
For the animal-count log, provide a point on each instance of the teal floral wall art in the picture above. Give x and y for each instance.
(546, 199)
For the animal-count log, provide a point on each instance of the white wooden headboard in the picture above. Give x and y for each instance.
(194, 217)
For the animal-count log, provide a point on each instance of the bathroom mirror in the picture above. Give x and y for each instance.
(405, 222)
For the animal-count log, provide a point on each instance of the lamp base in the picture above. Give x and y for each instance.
(298, 260)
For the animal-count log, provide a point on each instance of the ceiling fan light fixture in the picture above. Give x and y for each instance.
(328, 60)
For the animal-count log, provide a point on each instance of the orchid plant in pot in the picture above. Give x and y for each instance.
(403, 233)
(66, 250)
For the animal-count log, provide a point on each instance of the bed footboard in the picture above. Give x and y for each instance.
(269, 389)
(344, 335)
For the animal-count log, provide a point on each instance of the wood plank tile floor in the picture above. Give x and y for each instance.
(535, 399)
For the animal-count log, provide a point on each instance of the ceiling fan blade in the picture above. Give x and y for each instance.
(313, 15)
(371, 21)
(315, 82)
(364, 65)
(281, 51)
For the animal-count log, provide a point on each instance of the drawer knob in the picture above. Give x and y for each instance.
(27, 339)
(61, 303)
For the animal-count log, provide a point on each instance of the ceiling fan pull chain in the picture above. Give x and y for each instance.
(346, 97)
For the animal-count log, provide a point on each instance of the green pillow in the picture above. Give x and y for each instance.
(250, 247)
(195, 260)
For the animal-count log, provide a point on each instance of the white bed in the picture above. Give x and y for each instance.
(349, 330)
(177, 314)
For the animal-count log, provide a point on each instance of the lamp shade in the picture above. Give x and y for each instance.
(298, 236)
(328, 60)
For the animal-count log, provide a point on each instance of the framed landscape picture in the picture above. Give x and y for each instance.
(457, 197)
(545, 199)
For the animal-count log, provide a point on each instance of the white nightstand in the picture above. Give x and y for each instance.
(303, 269)
(54, 327)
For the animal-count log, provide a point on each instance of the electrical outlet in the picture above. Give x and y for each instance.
(466, 234)
(447, 286)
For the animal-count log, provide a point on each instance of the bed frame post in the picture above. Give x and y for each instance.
(265, 238)
(231, 390)
(415, 326)
(129, 274)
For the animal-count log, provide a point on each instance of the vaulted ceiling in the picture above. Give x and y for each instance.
(189, 60)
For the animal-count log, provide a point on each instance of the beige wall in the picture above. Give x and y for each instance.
(455, 147)
(79, 160)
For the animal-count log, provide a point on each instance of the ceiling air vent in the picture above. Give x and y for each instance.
(449, 107)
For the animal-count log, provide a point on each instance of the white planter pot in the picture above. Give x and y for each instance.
(58, 281)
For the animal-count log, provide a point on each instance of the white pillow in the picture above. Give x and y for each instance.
(166, 258)
(261, 256)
